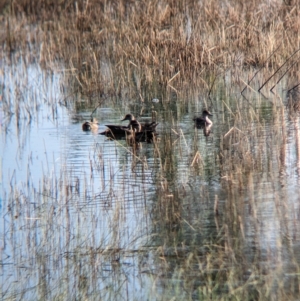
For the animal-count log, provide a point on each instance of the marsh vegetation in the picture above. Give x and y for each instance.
(186, 216)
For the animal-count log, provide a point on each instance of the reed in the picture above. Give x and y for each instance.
(112, 47)
(143, 221)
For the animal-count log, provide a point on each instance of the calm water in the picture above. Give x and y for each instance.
(83, 217)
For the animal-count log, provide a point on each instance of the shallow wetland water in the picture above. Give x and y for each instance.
(186, 217)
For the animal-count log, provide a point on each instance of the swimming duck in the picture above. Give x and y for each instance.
(121, 132)
(141, 132)
(90, 125)
(133, 123)
(203, 121)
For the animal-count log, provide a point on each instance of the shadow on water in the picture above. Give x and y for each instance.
(188, 215)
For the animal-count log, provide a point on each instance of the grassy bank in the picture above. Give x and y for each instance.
(110, 45)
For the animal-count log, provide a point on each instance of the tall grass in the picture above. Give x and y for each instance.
(69, 238)
(117, 47)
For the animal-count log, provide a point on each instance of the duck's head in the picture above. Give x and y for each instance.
(206, 113)
(129, 117)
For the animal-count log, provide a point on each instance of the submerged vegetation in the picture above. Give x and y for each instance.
(187, 216)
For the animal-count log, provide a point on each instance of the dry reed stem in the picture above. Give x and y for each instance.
(160, 42)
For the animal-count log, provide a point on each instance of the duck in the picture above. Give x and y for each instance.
(121, 132)
(203, 121)
(133, 123)
(90, 125)
(139, 127)
(141, 132)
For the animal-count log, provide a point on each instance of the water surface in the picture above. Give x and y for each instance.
(83, 216)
